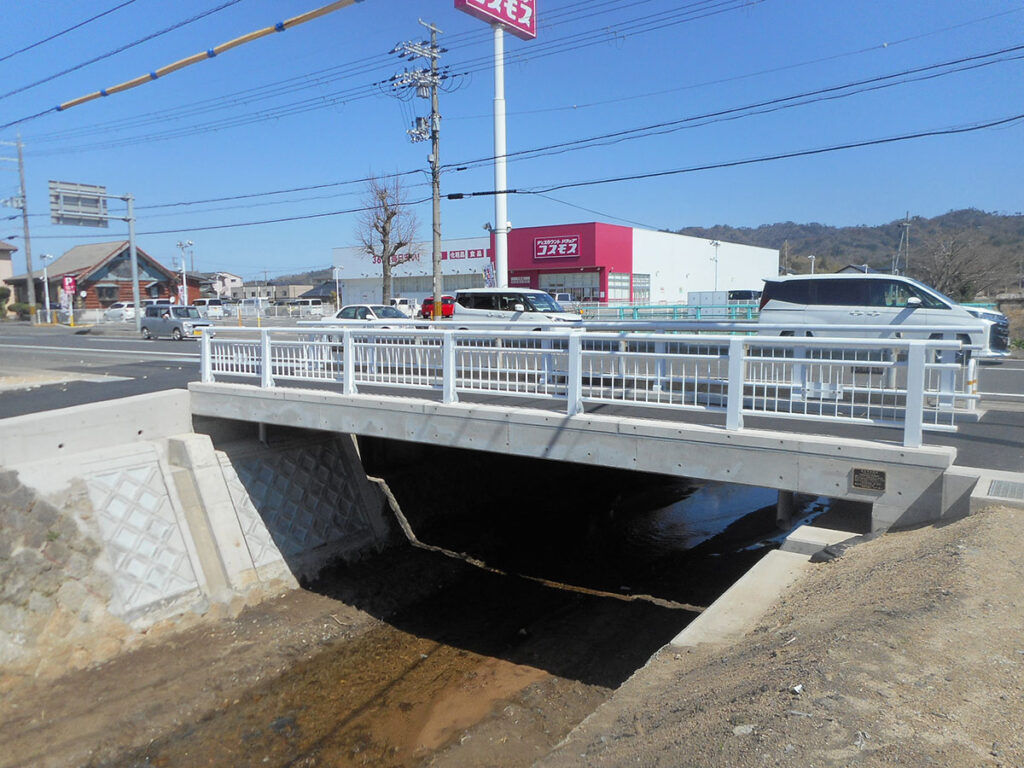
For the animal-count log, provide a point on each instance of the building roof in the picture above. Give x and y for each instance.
(82, 260)
(85, 258)
(323, 291)
(5, 246)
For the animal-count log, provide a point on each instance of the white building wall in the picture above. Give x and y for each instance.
(361, 277)
(679, 264)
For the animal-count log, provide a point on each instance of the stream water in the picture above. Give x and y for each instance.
(572, 577)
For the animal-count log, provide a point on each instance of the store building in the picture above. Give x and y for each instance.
(594, 262)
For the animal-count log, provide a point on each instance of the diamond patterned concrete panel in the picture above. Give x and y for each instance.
(293, 501)
(145, 546)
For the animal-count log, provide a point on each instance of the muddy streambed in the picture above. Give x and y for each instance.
(422, 658)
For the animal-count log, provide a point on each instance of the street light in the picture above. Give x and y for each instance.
(714, 244)
(811, 257)
(184, 284)
(46, 285)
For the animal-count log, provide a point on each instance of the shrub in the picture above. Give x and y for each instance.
(23, 310)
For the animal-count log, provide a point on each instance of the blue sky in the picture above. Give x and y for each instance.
(597, 67)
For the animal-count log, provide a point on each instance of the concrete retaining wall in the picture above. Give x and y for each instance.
(132, 523)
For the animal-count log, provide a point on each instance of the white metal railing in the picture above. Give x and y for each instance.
(914, 385)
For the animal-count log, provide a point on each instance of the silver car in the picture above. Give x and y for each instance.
(174, 321)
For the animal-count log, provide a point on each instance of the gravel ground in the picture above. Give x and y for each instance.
(907, 651)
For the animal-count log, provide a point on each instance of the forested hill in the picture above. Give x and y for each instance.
(1000, 236)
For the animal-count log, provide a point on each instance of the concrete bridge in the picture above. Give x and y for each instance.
(625, 401)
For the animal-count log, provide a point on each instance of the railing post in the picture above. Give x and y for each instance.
(348, 363)
(798, 385)
(660, 366)
(734, 394)
(449, 394)
(947, 380)
(205, 362)
(266, 375)
(574, 390)
(913, 428)
(971, 383)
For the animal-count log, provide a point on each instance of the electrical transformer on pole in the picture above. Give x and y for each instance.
(425, 82)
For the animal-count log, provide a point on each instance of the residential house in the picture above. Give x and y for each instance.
(102, 272)
(6, 261)
(218, 284)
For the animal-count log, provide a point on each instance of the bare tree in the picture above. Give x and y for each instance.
(956, 264)
(386, 227)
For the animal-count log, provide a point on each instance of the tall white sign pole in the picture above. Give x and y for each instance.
(500, 181)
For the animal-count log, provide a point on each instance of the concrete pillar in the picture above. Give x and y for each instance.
(784, 509)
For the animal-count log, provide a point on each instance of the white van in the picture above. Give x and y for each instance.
(211, 308)
(404, 305)
(307, 307)
(254, 305)
(883, 300)
(516, 304)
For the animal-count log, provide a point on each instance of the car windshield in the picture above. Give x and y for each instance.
(387, 312)
(186, 312)
(542, 302)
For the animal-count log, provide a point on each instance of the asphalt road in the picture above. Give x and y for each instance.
(120, 364)
(116, 366)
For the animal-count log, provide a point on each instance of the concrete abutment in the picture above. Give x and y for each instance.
(118, 521)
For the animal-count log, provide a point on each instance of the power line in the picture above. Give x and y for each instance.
(801, 99)
(63, 32)
(544, 191)
(782, 156)
(245, 196)
(746, 76)
(650, 22)
(116, 51)
(211, 227)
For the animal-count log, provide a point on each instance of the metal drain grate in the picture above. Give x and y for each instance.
(1005, 489)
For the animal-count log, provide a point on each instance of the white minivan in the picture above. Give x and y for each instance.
(516, 304)
(882, 300)
(211, 308)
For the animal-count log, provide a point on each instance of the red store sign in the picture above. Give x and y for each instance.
(556, 247)
(518, 16)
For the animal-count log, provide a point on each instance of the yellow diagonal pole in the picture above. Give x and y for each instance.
(210, 53)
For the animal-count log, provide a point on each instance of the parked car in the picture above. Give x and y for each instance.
(174, 321)
(882, 300)
(517, 304)
(365, 312)
(211, 308)
(120, 311)
(406, 306)
(307, 307)
(447, 306)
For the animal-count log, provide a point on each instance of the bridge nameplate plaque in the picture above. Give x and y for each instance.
(868, 479)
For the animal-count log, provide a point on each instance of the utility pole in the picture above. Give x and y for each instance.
(22, 202)
(425, 83)
(906, 253)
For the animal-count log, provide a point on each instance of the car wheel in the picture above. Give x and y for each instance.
(145, 333)
(176, 334)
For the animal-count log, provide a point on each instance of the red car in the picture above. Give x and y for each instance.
(447, 306)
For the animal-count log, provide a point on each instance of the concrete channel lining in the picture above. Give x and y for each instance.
(907, 485)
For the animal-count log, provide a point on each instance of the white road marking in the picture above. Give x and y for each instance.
(193, 357)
